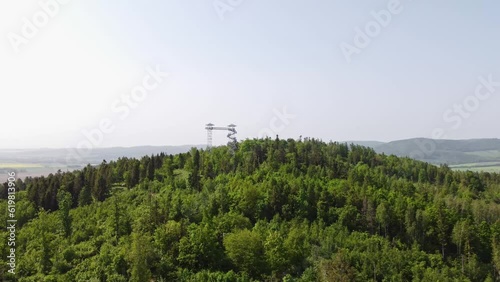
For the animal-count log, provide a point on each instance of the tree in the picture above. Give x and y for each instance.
(246, 251)
(41, 237)
(102, 184)
(78, 185)
(133, 175)
(248, 201)
(140, 256)
(200, 249)
(119, 217)
(442, 226)
(64, 201)
(337, 269)
(166, 240)
(383, 217)
(85, 197)
(194, 176)
(150, 167)
(276, 254)
(462, 235)
(496, 255)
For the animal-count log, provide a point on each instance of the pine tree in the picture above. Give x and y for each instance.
(85, 196)
(194, 176)
(141, 250)
(64, 201)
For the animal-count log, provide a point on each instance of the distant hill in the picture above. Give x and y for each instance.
(483, 152)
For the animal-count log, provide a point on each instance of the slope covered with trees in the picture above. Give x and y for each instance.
(275, 210)
(442, 151)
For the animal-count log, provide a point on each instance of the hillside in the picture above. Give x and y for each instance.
(473, 153)
(274, 210)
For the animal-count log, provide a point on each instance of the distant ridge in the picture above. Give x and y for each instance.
(452, 152)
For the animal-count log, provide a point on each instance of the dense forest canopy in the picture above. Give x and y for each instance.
(273, 210)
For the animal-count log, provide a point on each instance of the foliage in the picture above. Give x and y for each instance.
(274, 210)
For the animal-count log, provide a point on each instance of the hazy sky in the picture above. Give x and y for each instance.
(67, 72)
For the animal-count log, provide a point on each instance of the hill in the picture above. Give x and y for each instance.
(474, 154)
(479, 154)
(273, 210)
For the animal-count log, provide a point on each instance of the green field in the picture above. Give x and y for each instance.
(492, 154)
(24, 170)
(479, 167)
(18, 166)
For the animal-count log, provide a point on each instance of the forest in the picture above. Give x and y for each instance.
(272, 210)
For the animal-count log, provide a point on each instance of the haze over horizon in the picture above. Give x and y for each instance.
(222, 142)
(274, 68)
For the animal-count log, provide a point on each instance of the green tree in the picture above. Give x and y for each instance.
(64, 201)
(337, 269)
(194, 176)
(246, 251)
(140, 258)
(276, 253)
(102, 185)
(383, 217)
(200, 249)
(496, 255)
(462, 236)
(85, 197)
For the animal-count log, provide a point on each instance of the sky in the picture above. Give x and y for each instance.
(74, 73)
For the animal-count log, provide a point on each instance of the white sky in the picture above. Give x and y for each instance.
(263, 56)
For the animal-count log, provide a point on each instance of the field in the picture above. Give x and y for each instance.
(492, 154)
(30, 169)
(18, 166)
(479, 167)
(461, 153)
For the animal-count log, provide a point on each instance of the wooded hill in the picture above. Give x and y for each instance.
(274, 210)
(440, 151)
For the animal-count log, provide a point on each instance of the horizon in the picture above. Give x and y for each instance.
(204, 145)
